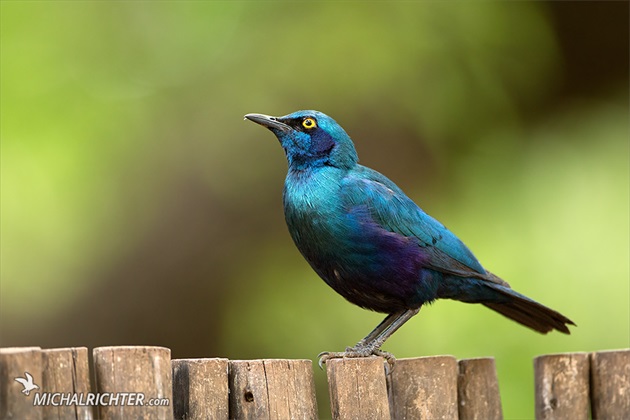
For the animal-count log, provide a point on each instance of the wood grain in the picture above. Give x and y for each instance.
(478, 390)
(424, 388)
(200, 389)
(142, 371)
(272, 389)
(610, 384)
(562, 386)
(14, 363)
(358, 389)
(66, 371)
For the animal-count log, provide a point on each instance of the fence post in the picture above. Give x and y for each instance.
(424, 388)
(272, 389)
(610, 384)
(358, 389)
(200, 389)
(478, 390)
(67, 371)
(562, 386)
(125, 370)
(15, 362)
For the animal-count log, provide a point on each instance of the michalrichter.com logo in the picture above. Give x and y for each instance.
(27, 383)
(89, 398)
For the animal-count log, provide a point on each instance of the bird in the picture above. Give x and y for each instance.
(27, 383)
(375, 246)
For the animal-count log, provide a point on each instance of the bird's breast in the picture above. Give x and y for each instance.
(361, 260)
(313, 210)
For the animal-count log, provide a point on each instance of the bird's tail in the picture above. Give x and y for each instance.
(526, 311)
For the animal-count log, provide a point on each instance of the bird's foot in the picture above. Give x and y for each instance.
(359, 350)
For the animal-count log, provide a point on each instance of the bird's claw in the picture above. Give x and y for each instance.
(391, 360)
(324, 356)
(356, 352)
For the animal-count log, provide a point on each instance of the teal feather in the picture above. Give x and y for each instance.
(369, 241)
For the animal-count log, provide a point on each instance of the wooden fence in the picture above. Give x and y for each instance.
(143, 382)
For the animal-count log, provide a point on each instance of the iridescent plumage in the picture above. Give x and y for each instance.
(372, 244)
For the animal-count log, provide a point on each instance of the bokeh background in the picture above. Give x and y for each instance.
(139, 208)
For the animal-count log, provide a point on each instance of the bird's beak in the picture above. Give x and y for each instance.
(268, 121)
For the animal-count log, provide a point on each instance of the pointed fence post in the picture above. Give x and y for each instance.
(200, 389)
(358, 389)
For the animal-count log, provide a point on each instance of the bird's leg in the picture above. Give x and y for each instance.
(378, 330)
(376, 338)
(372, 343)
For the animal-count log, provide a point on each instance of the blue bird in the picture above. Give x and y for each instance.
(372, 244)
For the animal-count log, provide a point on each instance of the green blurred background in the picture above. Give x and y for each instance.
(139, 208)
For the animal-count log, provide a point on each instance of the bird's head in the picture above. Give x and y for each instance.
(310, 139)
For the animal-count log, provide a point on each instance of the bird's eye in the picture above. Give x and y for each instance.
(309, 123)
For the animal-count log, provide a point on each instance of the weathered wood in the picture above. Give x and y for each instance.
(15, 362)
(66, 371)
(272, 389)
(562, 386)
(424, 388)
(139, 376)
(200, 389)
(358, 389)
(610, 384)
(478, 390)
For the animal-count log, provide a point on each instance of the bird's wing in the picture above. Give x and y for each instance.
(394, 211)
(28, 376)
(23, 381)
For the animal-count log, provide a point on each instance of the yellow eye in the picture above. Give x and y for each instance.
(309, 123)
